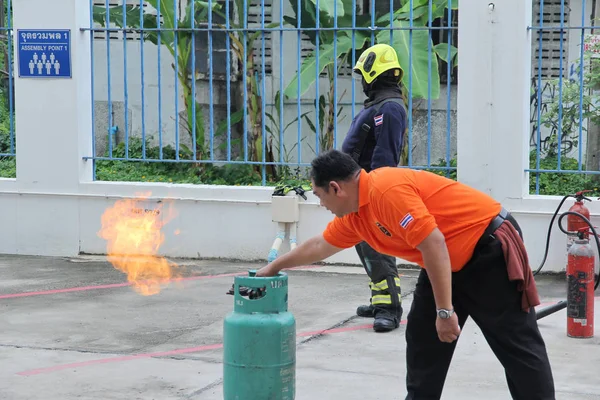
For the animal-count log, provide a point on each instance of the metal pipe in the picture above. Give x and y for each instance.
(551, 309)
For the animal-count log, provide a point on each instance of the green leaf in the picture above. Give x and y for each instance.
(415, 4)
(444, 4)
(420, 59)
(167, 12)
(328, 6)
(200, 11)
(235, 118)
(442, 51)
(417, 14)
(308, 73)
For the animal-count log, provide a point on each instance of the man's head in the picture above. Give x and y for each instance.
(334, 178)
(379, 67)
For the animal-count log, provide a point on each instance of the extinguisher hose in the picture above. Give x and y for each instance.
(550, 231)
(587, 221)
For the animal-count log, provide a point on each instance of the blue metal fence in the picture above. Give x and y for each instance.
(7, 122)
(206, 90)
(564, 144)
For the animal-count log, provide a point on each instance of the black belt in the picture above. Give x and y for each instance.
(488, 234)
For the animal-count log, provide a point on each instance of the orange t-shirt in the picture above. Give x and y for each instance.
(399, 207)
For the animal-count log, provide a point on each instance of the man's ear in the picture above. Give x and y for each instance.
(335, 187)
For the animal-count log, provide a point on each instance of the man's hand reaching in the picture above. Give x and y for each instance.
(266, 271)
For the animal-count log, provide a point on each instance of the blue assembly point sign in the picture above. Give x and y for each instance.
(44, 53)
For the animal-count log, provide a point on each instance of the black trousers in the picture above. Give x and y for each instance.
(482, 291)
(385, 283)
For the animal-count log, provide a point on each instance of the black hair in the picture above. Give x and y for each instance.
(332, 165)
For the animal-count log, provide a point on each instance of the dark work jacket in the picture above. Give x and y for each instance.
(384, 142)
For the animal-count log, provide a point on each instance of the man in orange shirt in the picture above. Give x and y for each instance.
(461, 239)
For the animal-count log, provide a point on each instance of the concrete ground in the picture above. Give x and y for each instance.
(74, 329)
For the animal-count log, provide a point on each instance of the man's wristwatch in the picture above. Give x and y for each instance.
(444, 314)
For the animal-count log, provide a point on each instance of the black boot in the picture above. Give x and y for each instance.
(385, 324)
(385, 321)
(365, 311)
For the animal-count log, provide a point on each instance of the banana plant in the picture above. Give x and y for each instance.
(325, 104)
(401, 39)
(178, 43)
(242, 43)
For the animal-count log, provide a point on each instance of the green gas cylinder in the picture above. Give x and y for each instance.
(259, 341)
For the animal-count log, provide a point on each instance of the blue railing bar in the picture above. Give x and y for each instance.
(211, 116)
(560, 80)
(10, 78)
(391, 22)
(91, 88)
(142, 77)
(410, 100)
(245, 80)
(539, 100)
(176, 83)
(159, 41)
(426, 167)
(299, 65)
(335, 74)
(110, 117)
(317, 81)
(556, 28)
(564, 171)
(228, 83)
(353, 83)
(448, 86)
(125, 91)
(193, 78)
(429, 82)
(14, 154)
(307, 103)
(277, 29)
(190, 161)
(281, 78)
(581, 86)
(263, 95)
(372, 28)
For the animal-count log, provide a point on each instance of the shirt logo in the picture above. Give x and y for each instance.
(378, 120)
(407, 219)
(383, 229)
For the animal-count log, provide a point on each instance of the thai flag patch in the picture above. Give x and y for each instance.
(407, 219)
(378, 120)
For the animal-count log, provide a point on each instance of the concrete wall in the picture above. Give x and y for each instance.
(53, 207)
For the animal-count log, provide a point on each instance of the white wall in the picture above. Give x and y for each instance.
(54, 207)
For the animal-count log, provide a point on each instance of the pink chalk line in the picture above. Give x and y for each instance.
(174, 352)
(124, 284)
(185, 350)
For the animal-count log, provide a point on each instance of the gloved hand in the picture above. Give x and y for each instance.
(247, 292)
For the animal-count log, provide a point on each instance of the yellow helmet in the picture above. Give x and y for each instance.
(377, 59)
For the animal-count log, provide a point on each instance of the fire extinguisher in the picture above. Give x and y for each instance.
(580, 287)
(574, 223)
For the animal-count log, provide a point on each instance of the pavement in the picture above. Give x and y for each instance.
(75, 329)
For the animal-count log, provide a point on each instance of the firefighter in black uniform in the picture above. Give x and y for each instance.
(375, 139)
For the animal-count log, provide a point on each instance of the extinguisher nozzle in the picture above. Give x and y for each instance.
(551, 309)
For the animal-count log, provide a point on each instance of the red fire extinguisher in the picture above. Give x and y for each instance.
(580, 288)
(575, 223)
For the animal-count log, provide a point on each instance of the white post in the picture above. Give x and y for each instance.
(493, 96)
(53, 122)
(53, 113)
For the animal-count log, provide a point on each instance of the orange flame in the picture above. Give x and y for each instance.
(134, 236)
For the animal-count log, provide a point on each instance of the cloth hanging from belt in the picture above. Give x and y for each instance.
(517, 264)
